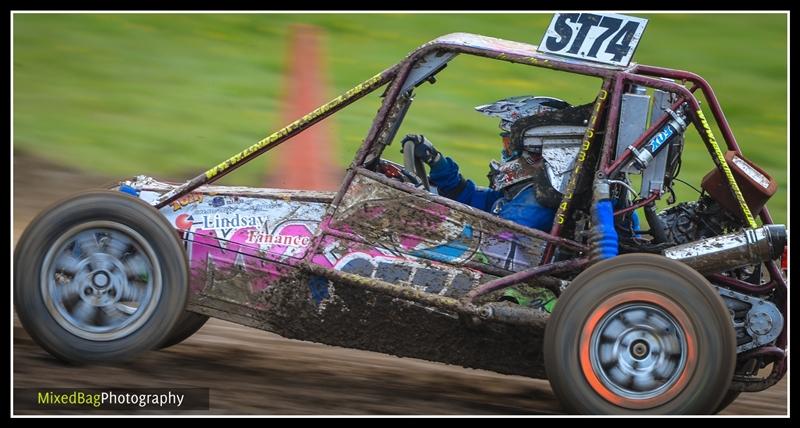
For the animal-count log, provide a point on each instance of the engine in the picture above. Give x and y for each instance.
(691, 221)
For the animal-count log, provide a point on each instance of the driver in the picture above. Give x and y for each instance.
(514, 181)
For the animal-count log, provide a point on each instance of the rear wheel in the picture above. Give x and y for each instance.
(727, 400)
(101, 276)
(640, 333)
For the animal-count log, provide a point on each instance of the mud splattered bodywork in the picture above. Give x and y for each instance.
(240, 241)
(245, 247)
(411, 226)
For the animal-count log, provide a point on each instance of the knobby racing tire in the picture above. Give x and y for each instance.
(727, 400)
(640, 333)
(187, 325)
(101, 276)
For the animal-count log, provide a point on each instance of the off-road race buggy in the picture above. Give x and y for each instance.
(679, 318)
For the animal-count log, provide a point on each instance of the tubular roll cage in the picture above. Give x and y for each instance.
(614, 80)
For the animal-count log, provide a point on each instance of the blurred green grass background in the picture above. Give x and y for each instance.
(170, 95)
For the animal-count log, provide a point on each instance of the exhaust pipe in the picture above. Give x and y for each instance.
(735, 250)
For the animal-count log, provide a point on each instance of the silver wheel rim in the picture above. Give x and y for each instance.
(638, 351)
(101, 280)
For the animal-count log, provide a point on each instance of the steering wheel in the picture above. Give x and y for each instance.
(398, 172)
(412, 163)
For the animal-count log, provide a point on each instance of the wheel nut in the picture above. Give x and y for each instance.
(639, 349)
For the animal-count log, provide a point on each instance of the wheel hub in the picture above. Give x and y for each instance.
(100, 280)
(638, 351)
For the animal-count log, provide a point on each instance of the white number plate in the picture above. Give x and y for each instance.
(602, 37)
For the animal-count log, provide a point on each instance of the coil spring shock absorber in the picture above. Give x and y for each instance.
(603, 238)
(674, 128)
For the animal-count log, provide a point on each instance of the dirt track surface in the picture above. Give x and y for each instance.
(254, 372)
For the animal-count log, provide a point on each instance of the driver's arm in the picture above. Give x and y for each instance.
(446, 177)
(448, 180)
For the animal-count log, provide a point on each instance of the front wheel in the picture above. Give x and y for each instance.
(643, 334)
(188, 324)
(101, 276)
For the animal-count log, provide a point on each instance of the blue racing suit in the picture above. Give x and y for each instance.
(522, 207)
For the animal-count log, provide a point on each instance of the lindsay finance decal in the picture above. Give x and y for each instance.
(224, 224)
(263, 238)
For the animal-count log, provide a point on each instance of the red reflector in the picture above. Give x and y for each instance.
(785, 258)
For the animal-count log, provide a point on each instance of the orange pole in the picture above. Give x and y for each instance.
(308, 162)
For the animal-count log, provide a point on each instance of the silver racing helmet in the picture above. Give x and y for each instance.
(517, 167)
(509, 110)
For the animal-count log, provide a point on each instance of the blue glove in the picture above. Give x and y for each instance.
(423, 148)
